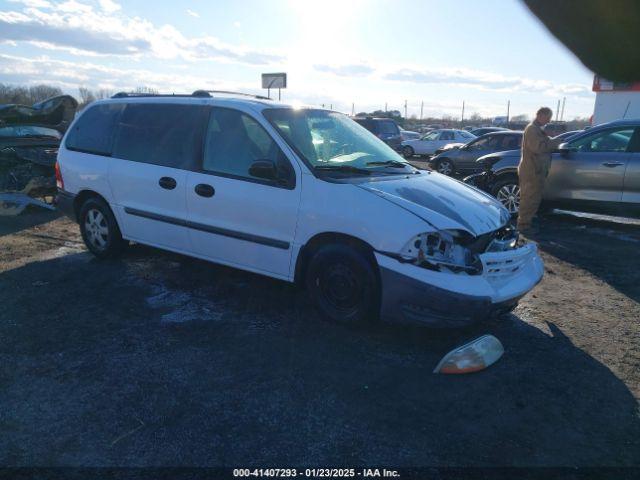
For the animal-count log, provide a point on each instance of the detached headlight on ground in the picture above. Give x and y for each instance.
(441, 251)
(472, 357)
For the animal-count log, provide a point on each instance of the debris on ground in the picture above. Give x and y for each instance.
(15, 203)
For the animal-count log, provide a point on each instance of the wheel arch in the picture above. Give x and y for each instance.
(449, 159)
(82, 197)
(329, 238)
(502, 175)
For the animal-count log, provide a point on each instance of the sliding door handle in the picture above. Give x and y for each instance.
(204, 190)
(167, 183)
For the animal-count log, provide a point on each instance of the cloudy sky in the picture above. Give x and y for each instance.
(335, 52)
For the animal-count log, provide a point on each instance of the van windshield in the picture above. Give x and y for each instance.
(330, 141)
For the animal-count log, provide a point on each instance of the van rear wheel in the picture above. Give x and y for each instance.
(99, 229)
(342, 284)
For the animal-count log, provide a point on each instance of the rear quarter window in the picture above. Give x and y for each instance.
(93, 131)
(161, 134)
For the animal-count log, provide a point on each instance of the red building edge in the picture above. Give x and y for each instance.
(603, 85)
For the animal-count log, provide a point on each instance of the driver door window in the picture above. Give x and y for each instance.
(235, 141)
(609, 141)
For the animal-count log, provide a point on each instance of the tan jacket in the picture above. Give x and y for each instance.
(536, 151)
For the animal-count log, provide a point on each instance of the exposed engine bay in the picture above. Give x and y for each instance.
(457, 251)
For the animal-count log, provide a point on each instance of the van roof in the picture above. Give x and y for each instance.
(219, 98)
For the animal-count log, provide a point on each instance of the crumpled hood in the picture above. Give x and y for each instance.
(442, 201)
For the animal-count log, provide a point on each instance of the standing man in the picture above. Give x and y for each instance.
(534, 167)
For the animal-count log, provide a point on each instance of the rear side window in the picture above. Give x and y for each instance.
(446, 136)
(161, 134)
(388, 127)
(93, 132)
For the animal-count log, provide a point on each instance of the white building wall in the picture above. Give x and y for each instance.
(613, 105)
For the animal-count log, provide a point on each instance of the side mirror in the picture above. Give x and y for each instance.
(264, 169)
(564, 149)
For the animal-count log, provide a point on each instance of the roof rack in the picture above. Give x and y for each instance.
(207, 93)
(197, 93)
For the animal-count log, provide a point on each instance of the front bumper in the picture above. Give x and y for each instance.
(439, 299)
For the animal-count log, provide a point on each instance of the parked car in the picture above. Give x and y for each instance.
(429, 143)
(241, 182)
(462, 160)
(385, 129)
(567, 135)
(478, 132)
(409, 135)
(449, 146)
(597, 170)
(29, 139)
(554, 129)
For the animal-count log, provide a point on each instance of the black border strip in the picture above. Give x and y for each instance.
(270, 242)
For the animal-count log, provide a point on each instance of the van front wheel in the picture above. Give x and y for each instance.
(342, 284)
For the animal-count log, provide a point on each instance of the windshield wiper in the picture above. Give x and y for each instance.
(342, 168)
(390, 163)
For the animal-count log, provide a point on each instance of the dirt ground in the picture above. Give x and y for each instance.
(156, 359)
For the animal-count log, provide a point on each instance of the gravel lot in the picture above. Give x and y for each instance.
(156, 359)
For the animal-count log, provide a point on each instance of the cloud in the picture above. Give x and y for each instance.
(109, 6)
(348, 70)
(487, 81)
(73, 74)
(81, 29)
(192, 13)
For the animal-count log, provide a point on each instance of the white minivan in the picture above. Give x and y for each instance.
(299, 194)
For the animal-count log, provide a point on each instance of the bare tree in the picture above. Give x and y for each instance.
(86, 96)
(38, 93)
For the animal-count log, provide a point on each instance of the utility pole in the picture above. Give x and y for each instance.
(405, 109)
(558, 110)
(385, 106)
(353, 109)
(564, 99)
(421, 109)
(508, 109)
(462, 118)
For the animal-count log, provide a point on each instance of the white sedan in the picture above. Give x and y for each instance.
(432, 141)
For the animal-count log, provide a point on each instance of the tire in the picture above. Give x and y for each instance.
(408, 151)
(507, 191)
(99, 229)
(445, 167)
(343, 286)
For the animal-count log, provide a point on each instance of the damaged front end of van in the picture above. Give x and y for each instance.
(468, 264)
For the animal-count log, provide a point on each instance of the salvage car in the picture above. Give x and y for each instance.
(597, 170)
(27, 157)
(462, 159)
(429, 143)
(240, 181)
(29, 139)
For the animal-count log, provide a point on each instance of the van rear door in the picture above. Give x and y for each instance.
(155, 144)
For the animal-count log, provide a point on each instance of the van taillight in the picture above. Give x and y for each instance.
(59, 181)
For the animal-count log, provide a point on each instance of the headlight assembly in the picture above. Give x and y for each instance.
(442, 251)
